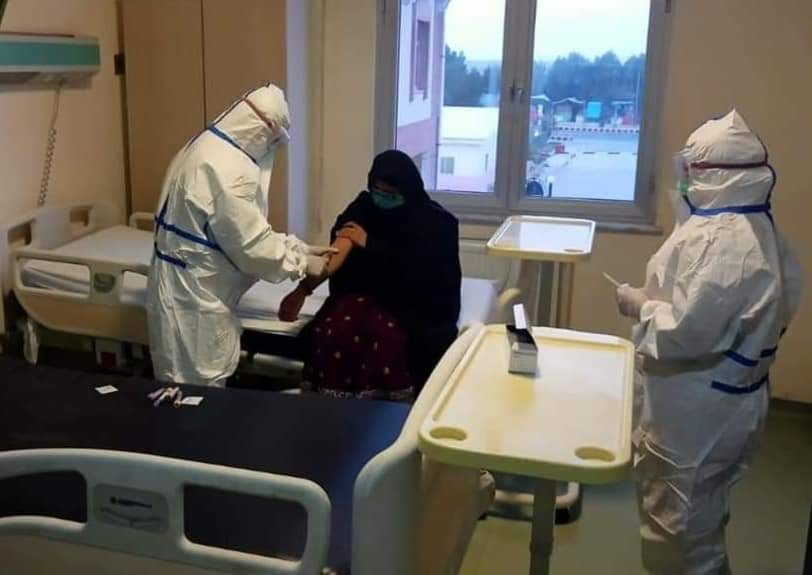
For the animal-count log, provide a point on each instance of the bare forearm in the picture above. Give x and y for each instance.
(344, 247)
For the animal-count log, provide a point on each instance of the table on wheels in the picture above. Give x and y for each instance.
(571, 421)
(548, 250)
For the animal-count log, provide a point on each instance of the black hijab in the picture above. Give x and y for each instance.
(410, 265)
(397, 169)
(411, 261)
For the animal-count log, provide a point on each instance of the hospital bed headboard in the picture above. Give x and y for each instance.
(46, 228)
(387, 499)
(135, 506)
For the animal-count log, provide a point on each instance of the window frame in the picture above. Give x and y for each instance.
(421, 59)
(447, 161)
(512, 140)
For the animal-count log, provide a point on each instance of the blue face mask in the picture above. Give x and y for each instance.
(386, 201)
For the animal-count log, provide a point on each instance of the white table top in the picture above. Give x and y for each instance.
(543, 239)
(570, 422)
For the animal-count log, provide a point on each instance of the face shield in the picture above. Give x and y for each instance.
(679, 195)
(682, 173)
(281, 138)
(279, 133)
(266, 169)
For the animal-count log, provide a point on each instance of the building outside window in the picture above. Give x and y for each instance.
(447, 166)
(517, 95)
(421, 57)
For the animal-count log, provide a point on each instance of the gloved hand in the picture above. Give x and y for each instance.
(320, 250)
(315, 265)
(630, 301)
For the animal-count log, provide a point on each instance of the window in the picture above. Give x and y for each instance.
(447, 166)
(421, 57)
(528, 105)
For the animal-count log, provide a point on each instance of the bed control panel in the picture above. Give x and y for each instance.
(131, 508)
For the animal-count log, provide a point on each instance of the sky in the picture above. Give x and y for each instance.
(591, 27)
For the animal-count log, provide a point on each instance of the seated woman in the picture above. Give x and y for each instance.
(394, 290)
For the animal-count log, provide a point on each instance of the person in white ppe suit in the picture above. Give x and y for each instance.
(718, 295)
(213, 241)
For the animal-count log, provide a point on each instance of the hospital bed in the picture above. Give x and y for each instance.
(73, 271)
(110, 484)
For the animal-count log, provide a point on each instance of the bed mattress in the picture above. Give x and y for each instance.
(257, 309)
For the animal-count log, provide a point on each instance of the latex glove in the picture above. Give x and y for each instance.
(630, 301)
(316, 265)
(292, 304)
(320, 250)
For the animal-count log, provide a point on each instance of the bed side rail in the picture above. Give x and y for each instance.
(98, 313)
(12, 235)
(46, 228)
(102, 289)
(149, 521)
(505, 272)
(387, 496)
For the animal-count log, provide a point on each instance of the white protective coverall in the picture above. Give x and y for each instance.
(721, 290)
(213, 241)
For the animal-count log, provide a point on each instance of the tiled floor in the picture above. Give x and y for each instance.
(767, 533)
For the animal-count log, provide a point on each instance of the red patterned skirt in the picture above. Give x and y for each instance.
(355, 348)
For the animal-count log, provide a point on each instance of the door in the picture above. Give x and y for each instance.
(163, 43)
(244, 47)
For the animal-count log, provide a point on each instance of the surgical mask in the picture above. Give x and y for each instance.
(682, 187)
(386, 201)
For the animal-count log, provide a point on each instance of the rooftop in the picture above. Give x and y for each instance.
(468, 123)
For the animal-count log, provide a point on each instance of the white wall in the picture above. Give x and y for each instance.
(298, 34)
(346, 105)
(89, 160)
(469, 157)
(746, 53)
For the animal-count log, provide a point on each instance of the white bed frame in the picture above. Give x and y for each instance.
(147, 478)
(101, 313)
(410, 516)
